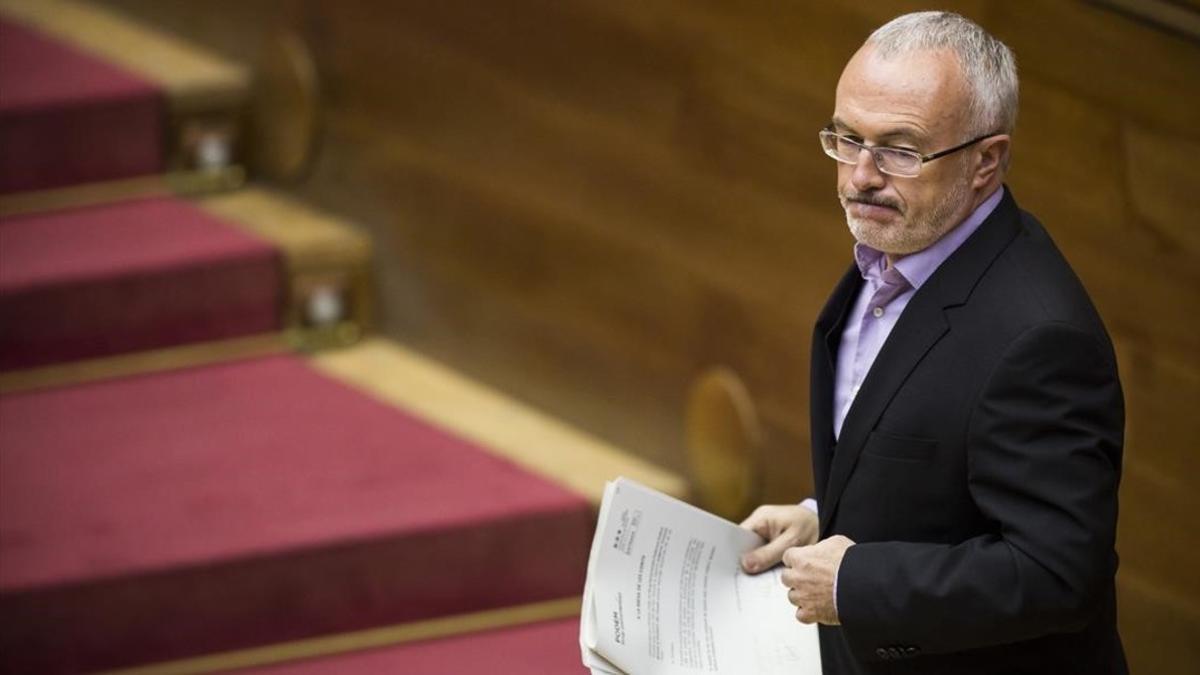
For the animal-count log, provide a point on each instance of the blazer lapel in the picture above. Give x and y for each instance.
(825, 341)
(919, 328)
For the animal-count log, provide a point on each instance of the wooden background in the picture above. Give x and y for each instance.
(587, 203)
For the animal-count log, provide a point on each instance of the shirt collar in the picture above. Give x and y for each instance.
(916, 268)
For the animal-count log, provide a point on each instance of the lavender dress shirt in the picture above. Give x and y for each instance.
(882, 299)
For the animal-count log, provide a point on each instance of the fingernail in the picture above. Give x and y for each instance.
(748, 564)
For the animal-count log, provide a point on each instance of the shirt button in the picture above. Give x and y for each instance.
(878, 312)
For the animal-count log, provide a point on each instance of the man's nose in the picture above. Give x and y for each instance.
(866, 175)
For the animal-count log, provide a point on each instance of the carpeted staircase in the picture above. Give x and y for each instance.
(185, 485)
(140, 274)
(233, 505)
(68, 118)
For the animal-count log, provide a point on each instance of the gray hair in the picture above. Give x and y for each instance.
(988, 65)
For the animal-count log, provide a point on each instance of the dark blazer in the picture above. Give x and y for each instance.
(977, 470)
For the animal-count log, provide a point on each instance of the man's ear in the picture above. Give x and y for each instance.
(993, 159)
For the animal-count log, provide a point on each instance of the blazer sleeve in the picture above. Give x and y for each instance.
(1044, 453)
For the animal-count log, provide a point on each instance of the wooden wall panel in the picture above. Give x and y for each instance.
(1140, 73)
(587, 203)
(1163, 199)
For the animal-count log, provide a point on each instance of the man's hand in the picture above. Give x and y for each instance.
(783, 526)
(810, 575)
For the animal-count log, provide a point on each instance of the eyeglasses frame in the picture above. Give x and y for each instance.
(875, 158)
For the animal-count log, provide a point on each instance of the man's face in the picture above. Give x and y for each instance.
(916, 101)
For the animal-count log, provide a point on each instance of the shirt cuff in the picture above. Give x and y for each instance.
(811, 505)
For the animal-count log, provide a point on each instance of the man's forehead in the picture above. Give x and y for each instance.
(915, 70)
(916, 93)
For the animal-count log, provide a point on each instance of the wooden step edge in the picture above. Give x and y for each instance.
(387, 636)
(175, 183)
(194, 80)
(321, 254)
(308, 237)
(514, 430)
(329, 299)
(145, 362)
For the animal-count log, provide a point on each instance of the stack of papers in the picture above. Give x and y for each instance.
(665, 594)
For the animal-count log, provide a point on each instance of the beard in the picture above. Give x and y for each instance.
(905, 234)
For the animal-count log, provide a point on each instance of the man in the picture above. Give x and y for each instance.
(967, 419)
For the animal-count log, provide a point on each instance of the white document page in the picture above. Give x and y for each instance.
(666, 595)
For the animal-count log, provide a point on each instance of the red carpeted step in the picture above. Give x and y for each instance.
(67, 117)
(204, 510)
(546, 648)
(129, 276)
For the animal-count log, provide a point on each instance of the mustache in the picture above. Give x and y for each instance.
(868, 198)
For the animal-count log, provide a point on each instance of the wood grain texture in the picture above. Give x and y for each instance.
(589, 203)
(139, 363)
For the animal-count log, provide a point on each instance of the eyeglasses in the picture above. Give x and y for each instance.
(892, 161)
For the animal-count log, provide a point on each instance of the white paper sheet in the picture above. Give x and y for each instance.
(665, 595)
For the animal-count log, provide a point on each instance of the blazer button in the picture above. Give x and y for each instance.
(883, 654)
(912, 651)
(895, 653)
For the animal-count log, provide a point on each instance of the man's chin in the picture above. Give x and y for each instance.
(870, 227)
(873, 233)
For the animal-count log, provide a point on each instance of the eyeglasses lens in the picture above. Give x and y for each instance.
(888, 160)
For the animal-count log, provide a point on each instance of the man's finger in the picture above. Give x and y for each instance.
(766, 556)
(789, 578)
(756, 523)
(792, 556)
(793, 597)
